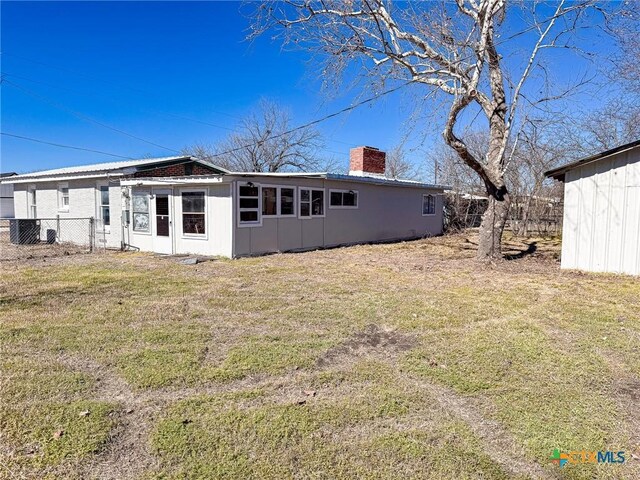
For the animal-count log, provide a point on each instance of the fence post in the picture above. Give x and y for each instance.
(57, 227)
(92, 227)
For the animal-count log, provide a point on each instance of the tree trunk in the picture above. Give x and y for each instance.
(491, 228)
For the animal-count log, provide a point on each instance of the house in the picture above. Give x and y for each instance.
(185, 205)
(94, 191)
(601, 223)
(6, 197)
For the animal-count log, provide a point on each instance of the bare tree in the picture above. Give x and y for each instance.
(540, 147)
(455, 51)
(613, 124)
(266, 142)
(626, 30)
(398, 166)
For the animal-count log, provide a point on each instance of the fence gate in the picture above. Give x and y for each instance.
(28, 238)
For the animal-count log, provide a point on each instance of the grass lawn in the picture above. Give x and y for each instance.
(390, 361)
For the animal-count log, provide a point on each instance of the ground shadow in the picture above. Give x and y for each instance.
(530, 250)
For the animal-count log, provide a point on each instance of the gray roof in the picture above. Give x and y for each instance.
(558, 173)
(110, 167)
(318, 175)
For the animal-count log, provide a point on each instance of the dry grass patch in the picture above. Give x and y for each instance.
(405, 360)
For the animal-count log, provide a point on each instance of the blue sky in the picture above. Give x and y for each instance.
(155, 70)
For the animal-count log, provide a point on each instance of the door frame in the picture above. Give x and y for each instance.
(156, 240)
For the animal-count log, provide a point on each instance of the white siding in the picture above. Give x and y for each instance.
(83, 203)
(601, 231)
(218, 238)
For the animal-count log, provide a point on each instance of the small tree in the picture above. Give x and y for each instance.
(454, 50)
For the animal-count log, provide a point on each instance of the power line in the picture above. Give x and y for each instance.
(84, 117)
(300, 127)
(63, 146)
(99, 79)
(153, 111)
(314, 122)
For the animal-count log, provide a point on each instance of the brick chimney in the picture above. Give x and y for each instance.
(367, 162)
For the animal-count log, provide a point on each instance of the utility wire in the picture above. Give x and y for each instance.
(300, 127)
(314, 122)
(153, 111)
(63, 146)
(84, 117)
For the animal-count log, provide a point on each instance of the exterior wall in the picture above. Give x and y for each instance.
(384, 213)
(83, 203)
(217, 239)
(601, 230)
(6, 201)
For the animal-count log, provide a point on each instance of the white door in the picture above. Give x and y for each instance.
(162, 222)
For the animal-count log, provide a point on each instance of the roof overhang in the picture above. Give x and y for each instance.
(211, 179)
(169, 181)
(341, 178)
(60, 178)
(86, 173)
(558, 173)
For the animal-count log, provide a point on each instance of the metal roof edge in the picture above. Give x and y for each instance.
(59, 178)
(95, 170)
(560, 171)
(385, 181)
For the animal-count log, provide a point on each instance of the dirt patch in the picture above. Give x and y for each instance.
(630, 389)
(127, 454)
(372, 339)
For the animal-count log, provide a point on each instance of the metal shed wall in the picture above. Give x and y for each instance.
(601, 231)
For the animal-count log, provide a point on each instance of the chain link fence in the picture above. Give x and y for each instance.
(23, 239)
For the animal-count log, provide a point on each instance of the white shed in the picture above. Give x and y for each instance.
(601, 226)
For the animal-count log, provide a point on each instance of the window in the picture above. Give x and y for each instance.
(249, 204)
(63, 197)
(428, 205)
(105, 212)
(269, 201)
(343, 199)
(193, 213)
(311, 203)
(140, 212)
(278, 201)
(33, 210)
(287, 203)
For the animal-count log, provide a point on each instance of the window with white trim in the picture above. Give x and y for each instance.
(249, 204)
(193, 213)
(428, 205)
(278, 201)
(63, 197)
(33, 209)
(311, 202)
(343, 199)
(140, 208)
(105, 209)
